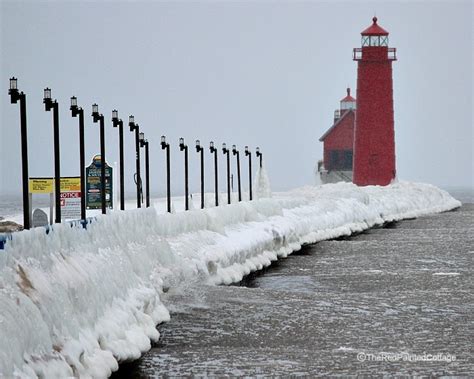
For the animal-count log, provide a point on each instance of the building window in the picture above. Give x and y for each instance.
(340, 160)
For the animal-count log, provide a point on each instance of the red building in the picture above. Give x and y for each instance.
(338, 142)
(374, 137)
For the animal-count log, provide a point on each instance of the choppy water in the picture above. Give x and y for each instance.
(331, 308)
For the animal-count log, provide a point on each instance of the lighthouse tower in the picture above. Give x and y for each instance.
(374, 137)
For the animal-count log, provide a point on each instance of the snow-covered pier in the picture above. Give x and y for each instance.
(78, 301)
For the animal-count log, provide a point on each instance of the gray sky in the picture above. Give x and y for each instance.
(261, 73)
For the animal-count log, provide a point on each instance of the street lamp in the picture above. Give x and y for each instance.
(184, 148)
(216, 172)
(144, 143)
(116, 122)
(138, 180)
(48, 105)
(200, 149)
(77, 111)
(96, 117)
(14, 97)
(249, 154)
(237, 153)
(166, 146)
(259, 155)
(225, 151)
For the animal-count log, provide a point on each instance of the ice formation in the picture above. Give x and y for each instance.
(76, 302)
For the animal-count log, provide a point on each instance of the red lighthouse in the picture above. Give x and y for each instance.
(374, 137)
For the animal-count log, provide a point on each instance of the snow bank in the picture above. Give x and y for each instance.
(76, 302)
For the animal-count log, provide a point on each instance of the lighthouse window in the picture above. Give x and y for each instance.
(374, 41)
(383, 41)
(365, 41)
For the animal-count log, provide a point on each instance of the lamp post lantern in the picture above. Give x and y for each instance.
(96, 117)
(119, 123)
(144, 143)
(239, 187)
(184, 147)
(200, 150)
(48, 105)
(216, 172)
(249, 154)
(138, 180)
(15, 95)
(259, 155)
(166, 146)
(78, 111)
(225, 151)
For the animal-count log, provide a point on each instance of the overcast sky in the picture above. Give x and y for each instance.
(261, 73)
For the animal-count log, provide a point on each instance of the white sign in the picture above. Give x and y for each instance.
(71, 198)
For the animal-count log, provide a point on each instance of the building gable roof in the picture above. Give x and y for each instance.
(329, 131)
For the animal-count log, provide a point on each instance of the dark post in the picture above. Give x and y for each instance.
(14, 97)
(144, 143)
(225, 150)
(48, 105)
(119, 123)
(184, 147)
(200, 149)
(237, 153)
(100, 117)
(135, 127)
(216, 172)
(77, 111)
(259, 155)
(166, 146)
(249, 154)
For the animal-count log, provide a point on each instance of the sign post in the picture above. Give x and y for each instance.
(94, 187)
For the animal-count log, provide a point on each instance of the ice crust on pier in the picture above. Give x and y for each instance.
(76, 302)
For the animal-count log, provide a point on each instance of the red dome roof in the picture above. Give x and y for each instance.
(348, 97)
(374, 30)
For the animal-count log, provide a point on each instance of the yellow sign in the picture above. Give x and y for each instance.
(41, 185)
(71, 184)
(46, 185)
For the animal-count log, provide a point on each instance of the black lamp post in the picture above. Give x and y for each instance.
(14, 97)
(200, 149)
(144, 143)
(237, 153)
(249, 154)
(225, 151)
(216, 172)
(48, 105)
(166, 146)
(96, 117)
(259, 155)
(77, 111)
(184, 148)
(119, 123)
(138, 180)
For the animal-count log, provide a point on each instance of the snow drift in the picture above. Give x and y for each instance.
(75, 302)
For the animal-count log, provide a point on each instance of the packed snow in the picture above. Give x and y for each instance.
(76, 302)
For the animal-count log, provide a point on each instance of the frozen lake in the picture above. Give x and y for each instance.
(406, 288)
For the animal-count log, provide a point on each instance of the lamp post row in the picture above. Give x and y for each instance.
(140, 141)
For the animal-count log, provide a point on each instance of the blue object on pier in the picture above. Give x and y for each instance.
(4, 237)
